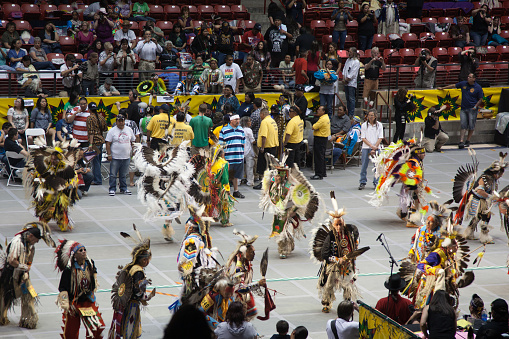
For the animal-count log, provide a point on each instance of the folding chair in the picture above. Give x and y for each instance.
(356, 155)
(13, 155)
(34, 132)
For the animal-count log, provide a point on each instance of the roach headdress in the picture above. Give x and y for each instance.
(141, 249)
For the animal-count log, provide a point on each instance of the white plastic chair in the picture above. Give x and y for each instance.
(35, 132)
(13, 155)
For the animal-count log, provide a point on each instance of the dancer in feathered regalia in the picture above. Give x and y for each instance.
(128, 292)
(503, 207)
(476, 195)
(335, 246)
(402, 162)
(52, 182)
(15, 274)
(217, 300)
(77, 287)
(291, 198)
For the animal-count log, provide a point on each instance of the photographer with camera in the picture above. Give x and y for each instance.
(403, 103)
(103, 27)
(434, 135)
(366, 30)
(147, 50)
(427, 70)
(157, 33)
(471, 100)
(71, 75)
(469, 63)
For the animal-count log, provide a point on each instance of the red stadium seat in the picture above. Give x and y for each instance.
(172, 12)
(411, 40)
(352, 27)
(206, 12)
(407, 56)
(443, 20)
(156, 12)
(503, 74)
(394, 58)
(56, 58)
(453, 71)
(22, 25)
(249, 24)
(426, 41)
(198, 23)
(319, 27)
(240, 12)
(223, 11)
(330, 25)
(380, 41)
(326, 40)
(444, 40)
(165, 26)
(453, 53)
(31, 12)
(367, 54)
(413, 21)
(505, 34)
(442, 54)
(441, 78)
(504, 22)
(49, 11)
(491, 54)
(350, 42)
(429, 20)
(415, 25)
(193, 12)
(67, 12)
(504, 52)
(77, 55)
(7, 9)
(135, 26)
(487, 70)
(68, 45)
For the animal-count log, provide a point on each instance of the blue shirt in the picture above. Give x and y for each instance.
(233, 140)
(62, 123)
(12, 54)
(245, 109)
(470, 94)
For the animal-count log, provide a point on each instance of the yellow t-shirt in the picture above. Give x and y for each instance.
(159, 124)
(268, 129)
(182, 132)
(322, 127)
(295, 128)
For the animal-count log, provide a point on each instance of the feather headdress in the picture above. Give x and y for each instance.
(65, 253)
(44, 230)
(242, 245)
(336, 212)
(141, 248)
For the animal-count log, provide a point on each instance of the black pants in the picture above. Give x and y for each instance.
(319, 145)
(294, 154)
(155, 142)
(261, 166)
(400, 130)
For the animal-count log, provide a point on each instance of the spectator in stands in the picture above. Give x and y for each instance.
(140, 12)
(262, 55)
(286, 81)
(195, 72)
(388, 20)
(328, 89)
(97, 47)
(471, 100)
(26, 37)
(63, 129)
(434, 135)
(3, 158)
(460, 33)
(147, 50)
(394, 306)
(125, 33)
(157, 33)
(350, 74)
(277, 37)
(300, 332)
(178, 38)
(169, 57)
(469, 63)
(224, 43)
(107, 89)
(93, 9)
(228, 98)
(4, 60)
(427, 70)
(246, 107)
(372, 133)
(71, 75)
(107, 62)
(332, 55)
(300, 100)
(366, 30)
(39, 58)
(321, 133)
(273, 12)
(494, 31)
(123, 8)
(295, 10)
(305, 40)
(10, 35)
(84, 38)
(231, 73)
(103, 27)
(372, 73)
(300, 66)
(341, 16)
(481, 22)
(313, 59)
(91, 75)
(16, 53)
(73, 25)
(252, 74)
(232, 138)
(126, 60)
(340, 123)
(50, 39)
(78, 117)
(18, 116)
(267, 141)
(186, 21)
(402, 105)
(212, 78)
(40, 117)
(250, 40)
(11, 145)
(343, 326)
(29, 77)
(201, 45)
(498, 324)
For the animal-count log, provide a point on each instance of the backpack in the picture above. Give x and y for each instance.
(16, 15)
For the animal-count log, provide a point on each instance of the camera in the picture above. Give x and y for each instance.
(147, 28)
(422, 56)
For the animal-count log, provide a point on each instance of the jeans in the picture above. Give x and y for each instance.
(142, 18)
(364, 167)
(463, 43)
(327, 100)
(44, 65)
(350, 92)
(6, 68)
(87, 178)
(336, 153)
(120, 167)
(365, 42)
(341, 37)
(478, 39)
(89, 85)
(289, 83)
(96, 166)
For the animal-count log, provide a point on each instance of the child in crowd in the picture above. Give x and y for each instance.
(249, 155)
(282, 325)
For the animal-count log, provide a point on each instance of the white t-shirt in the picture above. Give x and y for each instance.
(231, 74)
(248, 146)
(119, 35)
(345, 329)
(68, 80)
(121, 140)
(351, 71)
(371, 133)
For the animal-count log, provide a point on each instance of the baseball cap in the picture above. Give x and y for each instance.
(108, 81)
(120, 117)
(299, 88)
(157, 109)
(258, 27)
(92, 106)
(165, 107)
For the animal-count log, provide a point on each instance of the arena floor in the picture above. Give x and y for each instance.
(99, 218)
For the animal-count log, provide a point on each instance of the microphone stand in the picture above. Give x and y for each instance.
(389, 89)
(392, 262)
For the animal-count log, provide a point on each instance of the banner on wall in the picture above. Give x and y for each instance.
(374, 324)
(106, 105)
(424, 99)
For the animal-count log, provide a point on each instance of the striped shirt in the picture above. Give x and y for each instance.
(233, 140)
(79, 127)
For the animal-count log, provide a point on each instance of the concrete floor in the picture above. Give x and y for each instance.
(99, 219)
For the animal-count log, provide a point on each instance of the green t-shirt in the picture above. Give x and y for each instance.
(139, 7)
(201, 126)
(68, 106)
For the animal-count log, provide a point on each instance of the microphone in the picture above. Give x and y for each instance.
(379, 237)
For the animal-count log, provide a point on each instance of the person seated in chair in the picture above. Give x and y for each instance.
(11, 145)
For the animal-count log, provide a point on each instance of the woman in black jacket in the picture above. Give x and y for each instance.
(402, 105)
